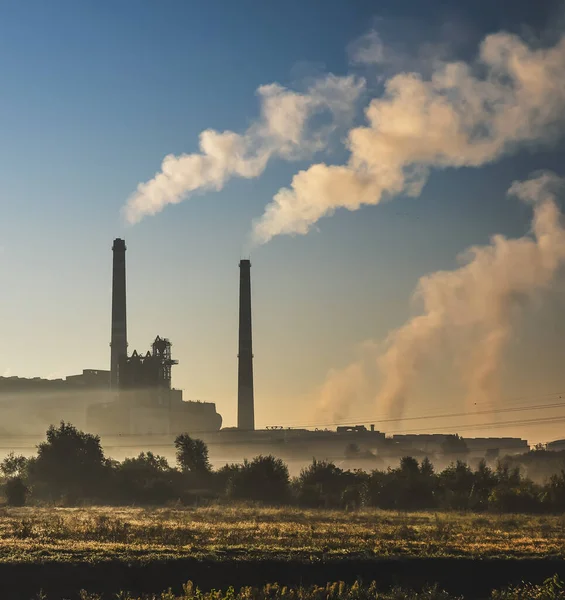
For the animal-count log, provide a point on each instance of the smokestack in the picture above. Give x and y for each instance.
(245, 408)
(119, 324)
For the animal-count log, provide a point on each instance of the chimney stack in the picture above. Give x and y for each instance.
(119, 324)
(245, 408)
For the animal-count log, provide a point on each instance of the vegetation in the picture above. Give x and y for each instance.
(551, 589)
(88, 514)
(219, 533)
(70, 468)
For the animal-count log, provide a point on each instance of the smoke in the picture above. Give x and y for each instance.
(472, 311)
(461, 115)
(347, 387)
(285, 129)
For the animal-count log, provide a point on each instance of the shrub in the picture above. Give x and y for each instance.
(320, 484)
(16, 491)
(146, 479)
(264, 479)
(515, 499)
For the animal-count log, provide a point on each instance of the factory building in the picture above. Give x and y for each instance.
(30, 405)
(147, 404)
(143, 401)
(134, 397)
(432, 442)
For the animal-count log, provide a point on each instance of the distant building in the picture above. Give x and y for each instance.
(432, 442)
(30, 405)
(556, 446)
(146, 403)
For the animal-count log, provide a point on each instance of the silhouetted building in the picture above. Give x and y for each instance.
(556, 445)
(119, 342)
(245, 401)
(432, 442)
(146, 402)
(30, 405)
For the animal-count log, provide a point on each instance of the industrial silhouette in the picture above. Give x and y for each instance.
(144, 400)
(136, 398)
(245, 407)
(119, 343)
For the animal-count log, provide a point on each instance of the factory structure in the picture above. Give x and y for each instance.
(135, 397)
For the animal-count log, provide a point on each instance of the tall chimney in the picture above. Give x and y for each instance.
(245, 408)
(119, 324)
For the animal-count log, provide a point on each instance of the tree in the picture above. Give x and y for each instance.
(70, 465)
(265, 479)
(484, 482)
(320, 483)
(192, 455)
(426, 467)
(412, 488)
(457, 482)
(409, 467)
(13, 465)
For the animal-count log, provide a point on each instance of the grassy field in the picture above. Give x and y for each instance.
(227, 533)
(551, 589)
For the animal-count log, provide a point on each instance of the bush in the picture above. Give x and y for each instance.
(515, 500)
(147, 479)
(16, 491)
(320, 484)
(264, 479)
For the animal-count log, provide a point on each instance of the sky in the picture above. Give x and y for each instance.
(96, 94)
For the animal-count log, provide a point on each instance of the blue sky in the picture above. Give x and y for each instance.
(95, 94)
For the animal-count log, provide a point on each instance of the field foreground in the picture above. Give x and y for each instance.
(220, 533)
(61, 550)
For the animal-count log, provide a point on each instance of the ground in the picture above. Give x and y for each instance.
(99, 534)
(108, 549)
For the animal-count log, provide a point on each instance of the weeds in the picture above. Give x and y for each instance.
(552, 589)
(130, 533)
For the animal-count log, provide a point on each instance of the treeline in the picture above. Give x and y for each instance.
(70, 468)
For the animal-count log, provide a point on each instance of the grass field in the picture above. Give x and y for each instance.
(227, 533)
(551, 589)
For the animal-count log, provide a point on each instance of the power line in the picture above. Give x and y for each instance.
(490, 425)
(439, 416)
(373, 419)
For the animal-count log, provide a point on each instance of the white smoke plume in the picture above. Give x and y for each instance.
(352, 386)
(461, 115)
(284, 129)
(471, 311)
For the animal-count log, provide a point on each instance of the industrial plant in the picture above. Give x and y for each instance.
(135, 398)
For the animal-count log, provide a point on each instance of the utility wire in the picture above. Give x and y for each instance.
(440, 416)
(373, 419)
